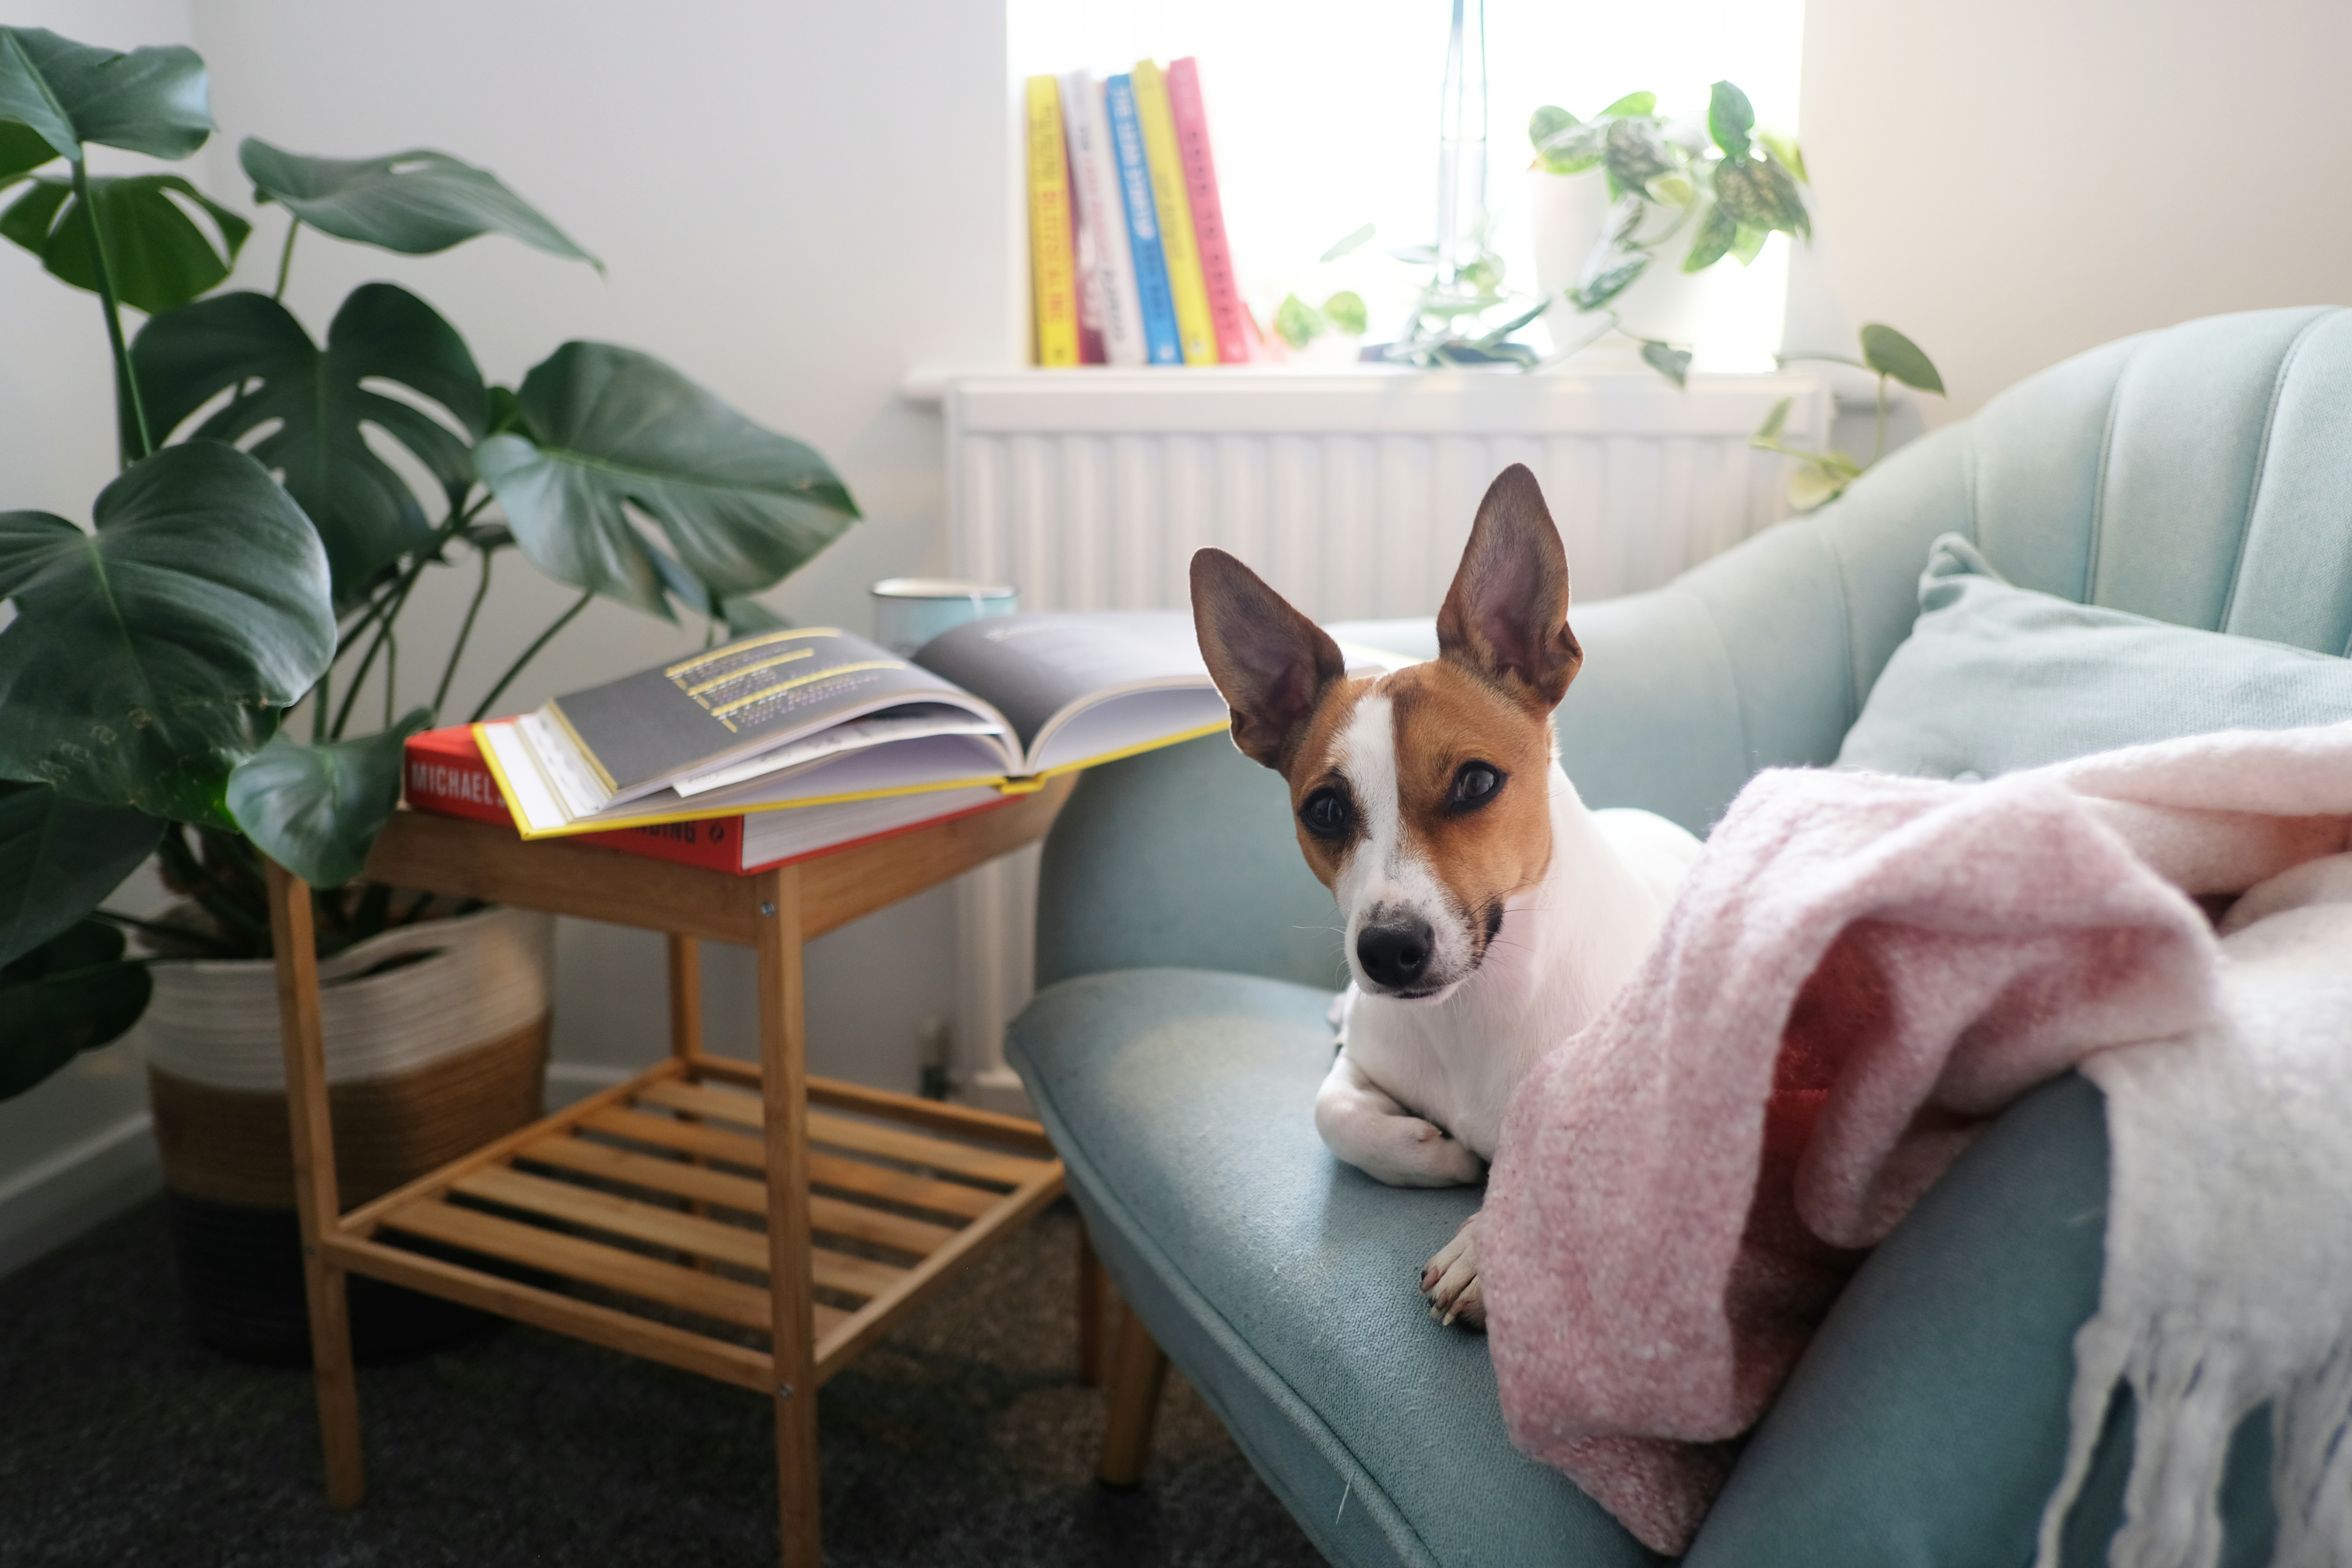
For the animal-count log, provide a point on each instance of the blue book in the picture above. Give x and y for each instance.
(1161, 345)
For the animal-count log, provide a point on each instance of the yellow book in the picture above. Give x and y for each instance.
(1195, 328)
(1053, 263)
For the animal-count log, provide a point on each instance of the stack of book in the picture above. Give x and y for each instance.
(1128, 259)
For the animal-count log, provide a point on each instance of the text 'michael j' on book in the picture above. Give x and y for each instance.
(816, 715)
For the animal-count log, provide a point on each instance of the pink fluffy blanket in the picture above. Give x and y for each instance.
(1860, 973)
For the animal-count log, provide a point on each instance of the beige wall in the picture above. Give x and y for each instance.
(2011, 181)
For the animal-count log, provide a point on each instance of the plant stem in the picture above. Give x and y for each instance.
(441, 693)
(322, 698)
(391, 671)
(286, 257)
(530, 653)
(388, 606)
(1878, 437)
(127, 388)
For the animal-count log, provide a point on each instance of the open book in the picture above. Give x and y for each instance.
(815, 716)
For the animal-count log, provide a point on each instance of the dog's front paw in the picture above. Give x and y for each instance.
(1450, 1280)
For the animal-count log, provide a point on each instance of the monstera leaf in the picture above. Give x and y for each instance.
(58, 859)
(22, 149)
(319, 401)
(611, 429)
(149, 100)
(413, 202)
(72, 992)
(162, 257)
(316, 809)
(150, 658)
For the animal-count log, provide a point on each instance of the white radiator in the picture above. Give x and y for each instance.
(1351, 493)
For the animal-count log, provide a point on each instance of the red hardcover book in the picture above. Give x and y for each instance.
(1225, 314)
(445, 774)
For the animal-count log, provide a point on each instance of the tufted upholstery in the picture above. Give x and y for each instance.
(2200, 474)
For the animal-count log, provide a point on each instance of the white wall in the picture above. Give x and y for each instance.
(2011, 181)
(794, 204)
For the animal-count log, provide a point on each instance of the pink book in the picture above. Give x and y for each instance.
(1225, 312)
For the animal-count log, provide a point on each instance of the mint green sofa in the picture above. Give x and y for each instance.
(2201, 476)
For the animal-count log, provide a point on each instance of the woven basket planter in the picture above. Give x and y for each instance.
(435, 1043)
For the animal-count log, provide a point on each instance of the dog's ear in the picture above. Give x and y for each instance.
(1505, 617)
(1270, 662)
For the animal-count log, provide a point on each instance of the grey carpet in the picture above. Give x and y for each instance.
(963, 1438)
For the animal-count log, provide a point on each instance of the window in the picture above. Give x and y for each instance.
(1325, 116)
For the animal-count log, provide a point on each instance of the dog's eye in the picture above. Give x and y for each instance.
(1474, 785)
(1326, 814)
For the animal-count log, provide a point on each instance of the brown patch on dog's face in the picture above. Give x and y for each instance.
(1482, 846)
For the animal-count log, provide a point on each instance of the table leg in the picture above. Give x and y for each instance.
(783, 1090)
(315, 1203)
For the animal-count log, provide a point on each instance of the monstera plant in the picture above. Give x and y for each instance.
(258, 548)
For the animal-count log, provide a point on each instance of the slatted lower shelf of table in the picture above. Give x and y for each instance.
(653, 1195)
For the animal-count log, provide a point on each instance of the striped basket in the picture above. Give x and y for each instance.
(435, 1043)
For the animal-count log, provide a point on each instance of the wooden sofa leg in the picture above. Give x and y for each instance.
(1137, 1375)
(1091, 1348)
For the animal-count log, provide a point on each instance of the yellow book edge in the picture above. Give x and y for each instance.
(1003, 784)
(1196, 330)
(1052, 261)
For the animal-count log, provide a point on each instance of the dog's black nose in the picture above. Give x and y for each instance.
(1394, 954)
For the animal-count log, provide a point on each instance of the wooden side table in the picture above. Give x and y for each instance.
(653, 1193)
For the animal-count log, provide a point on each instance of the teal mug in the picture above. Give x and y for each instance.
(911, 611)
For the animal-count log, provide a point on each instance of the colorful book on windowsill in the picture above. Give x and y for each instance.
(817, 717)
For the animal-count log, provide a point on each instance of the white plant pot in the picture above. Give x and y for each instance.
(1728, 315)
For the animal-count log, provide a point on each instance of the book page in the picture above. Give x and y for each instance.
(710, 711)
(1034, 668)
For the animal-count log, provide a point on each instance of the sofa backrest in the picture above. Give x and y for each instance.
(2200, 474)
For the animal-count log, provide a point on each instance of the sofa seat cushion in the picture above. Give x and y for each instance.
(1284, 1282)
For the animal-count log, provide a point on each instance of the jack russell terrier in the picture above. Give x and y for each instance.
(1489, 914)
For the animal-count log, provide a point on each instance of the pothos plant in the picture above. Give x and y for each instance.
(1729, 185)
(1461, 315)
(258, 548)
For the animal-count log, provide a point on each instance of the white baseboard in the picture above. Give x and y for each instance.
(83, 1184)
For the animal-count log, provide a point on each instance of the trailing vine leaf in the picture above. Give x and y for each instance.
(150, 658)
(1632, 103)
(1729, 119)
(1355, 241)
(1820, 478)
(1774, 423)
(316, 808)
(58, 858)
(1750, 245)
(1783, 150)
(1636, 152)
(71, 994)
(613, 429)
(1346, 311)
(1668, 360)
(413, 202)
(1761, 194)
(162, 257)
(1889, 352)
(321, 406)
(1607, 274)
(1672, 190)
(1297, 322)
(1713, 242)
(149, 100)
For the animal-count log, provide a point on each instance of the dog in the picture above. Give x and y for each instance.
(1489, 914)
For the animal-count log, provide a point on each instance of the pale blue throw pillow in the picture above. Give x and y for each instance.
(1995, 678)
